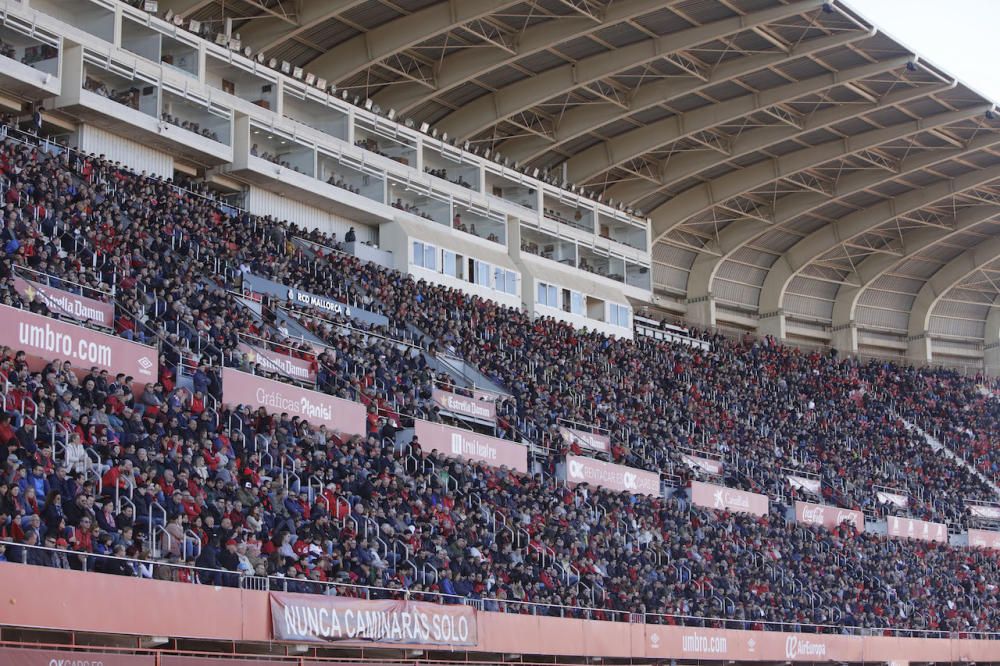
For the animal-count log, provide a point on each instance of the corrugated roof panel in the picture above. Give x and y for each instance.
(957, 327)
(671, 278)
(730, 270)
(749, 255)
(727, 291)
(881, 318)
(371, 14)
(806, 306)
(541, 61)
(805, 286)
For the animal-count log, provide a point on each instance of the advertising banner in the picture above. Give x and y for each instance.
(911, 528)
(803, 483)
(185, 660)
(44, 339)
(722, 498)
(465, 406)
(588, 440)
(707, 464)
(261, 285)
(471, 446)
(280, 364)
(10, 656)
(337, 414)
(902, 501)
(733, 645)
(984, 539)
(580, 469)
(982, 511)
(828, 516)
(303, 618)
(67, 303)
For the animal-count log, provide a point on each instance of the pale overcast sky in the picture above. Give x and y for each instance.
(959, 36)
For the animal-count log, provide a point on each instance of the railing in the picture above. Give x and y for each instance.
(146, 569)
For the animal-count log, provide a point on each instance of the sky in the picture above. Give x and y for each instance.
(954, 35)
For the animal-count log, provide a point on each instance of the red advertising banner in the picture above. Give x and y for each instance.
(66, 303)
(337, 414)
(580, 469)
(733, 645)
(588, 440)
(280, 364)
(302, 618)
(10, 656)
(44, 339)
(828, 516)
(722, 498)
(984, 539)
(462, 405)
(471, 445)
(911, 528)
(185, 660)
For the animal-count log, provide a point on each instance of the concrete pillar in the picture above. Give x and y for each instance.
(773, 324)
(918, 349)
(701, 311)
(844, 338)
(991, 358)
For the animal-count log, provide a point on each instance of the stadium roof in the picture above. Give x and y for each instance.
(791, 158)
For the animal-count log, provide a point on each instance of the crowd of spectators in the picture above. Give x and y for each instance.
(393, 515)
(408, 207)
(189, 125)
(338, 181)
(961, 411)
(443, 175)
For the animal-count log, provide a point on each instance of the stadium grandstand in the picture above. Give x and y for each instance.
(505, 332)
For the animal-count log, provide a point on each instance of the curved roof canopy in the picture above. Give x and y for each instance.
(791, 158)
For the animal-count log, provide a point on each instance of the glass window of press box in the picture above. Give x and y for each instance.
(178, 53)
(576, 214)
(489, 225)
(196, 115)
(94, 19)
(417, 199)
(383, 137)
(622, 230)
(39, 50)
(518, 191)
(451, 164)
(547, 246)
(252, 83)
(120, 83)
(281, 149)
(312, 107)
(351, 174)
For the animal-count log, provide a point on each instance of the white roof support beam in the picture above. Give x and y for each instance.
(839, 231)
(361, 52)
(916, 241)
(632, 144)
(682, 166)
(487, 110)
(264, 34)
(454, 70)
(702, 198)
(947, 277)
(735, 236)
(589, 117)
